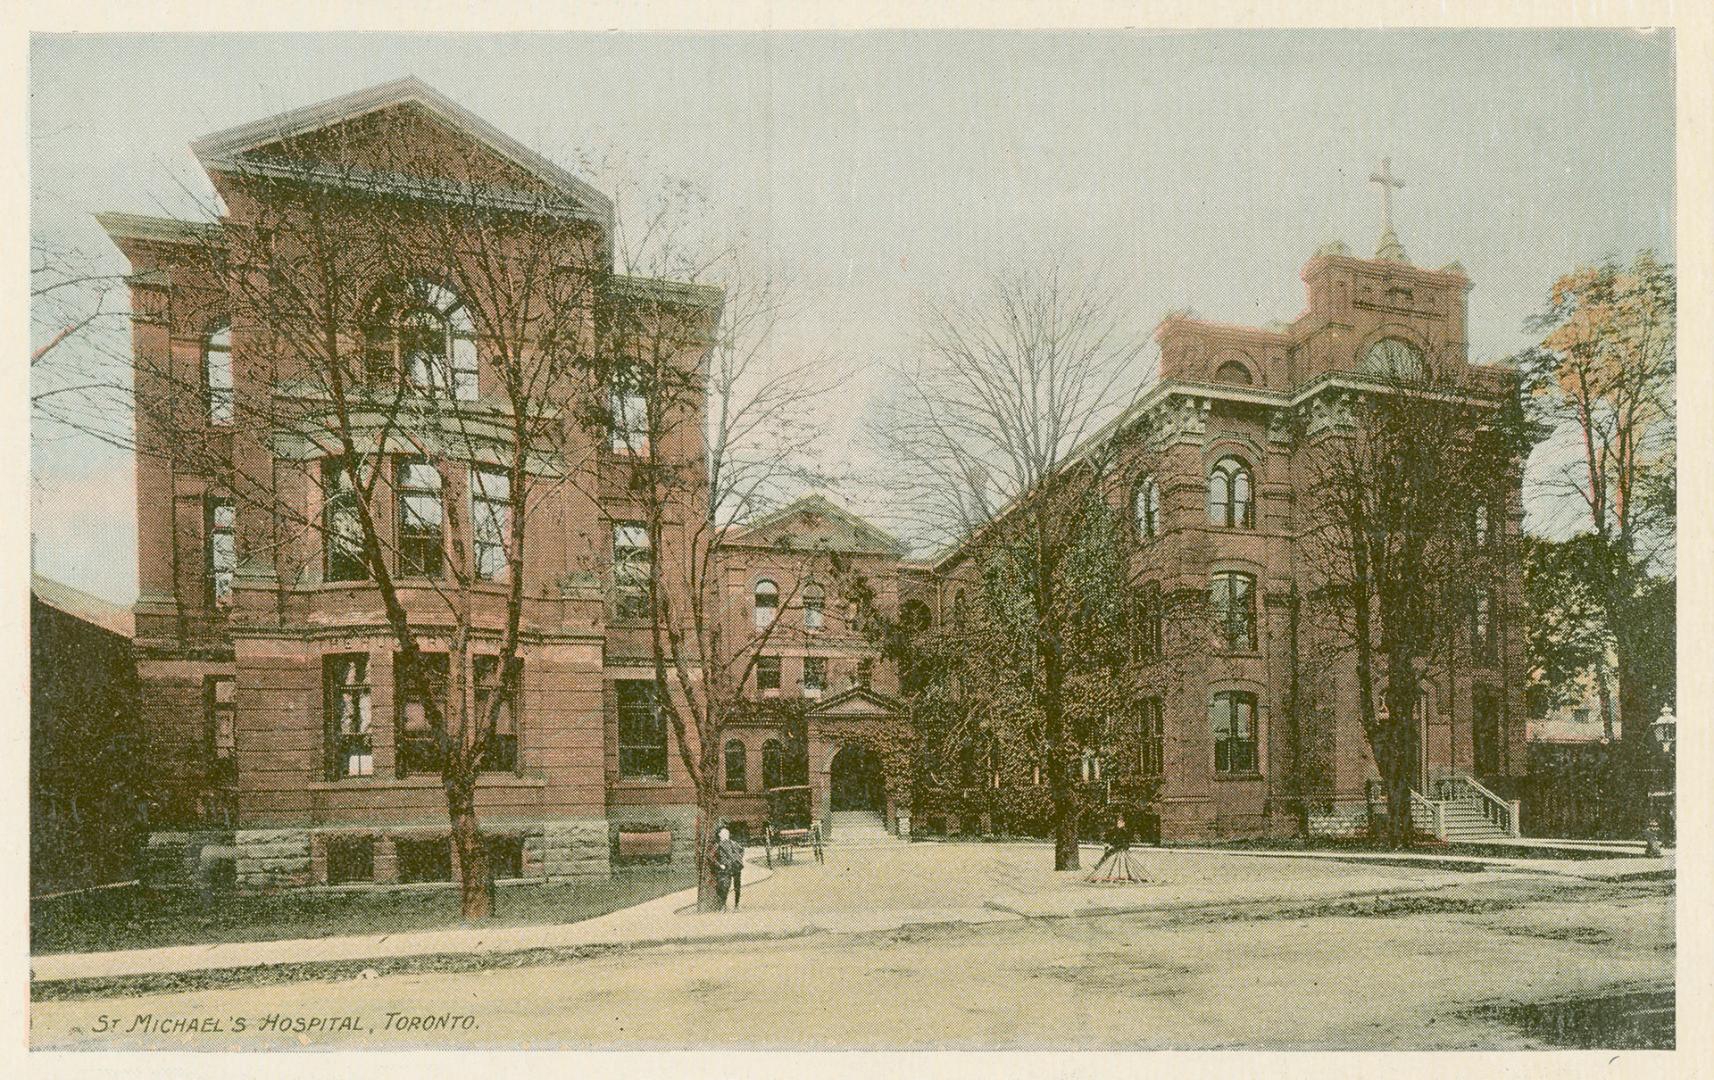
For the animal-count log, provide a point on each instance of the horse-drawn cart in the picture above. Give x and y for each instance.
(791, 823)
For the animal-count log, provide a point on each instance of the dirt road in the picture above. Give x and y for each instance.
(1401, 973)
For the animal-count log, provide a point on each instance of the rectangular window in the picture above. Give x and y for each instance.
(815, 673)
(1150, 629)
(350, 746)
(630, 420)
(491, 520)
(1234, 602)
(1233, 716)
(500, 752)
(421, 513)
(1482, 628)
(220, 699)
(340, 527)
(642, 732)
(427, 859)
(464, 384)
(632, 564)
(767, 673)
(350, 859)
(218, 372)
(1152, 741)
(417, 731)
(221, 519)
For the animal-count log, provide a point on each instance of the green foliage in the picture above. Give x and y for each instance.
(1567, 634)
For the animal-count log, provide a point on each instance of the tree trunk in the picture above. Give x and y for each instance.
(1401, 737)
(476, 875)
(707, 822)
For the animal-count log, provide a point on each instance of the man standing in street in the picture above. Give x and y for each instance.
(728, 868)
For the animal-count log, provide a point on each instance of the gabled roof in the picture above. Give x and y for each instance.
(224, 150)
(845, 532)
(843, 701)
(111, 617)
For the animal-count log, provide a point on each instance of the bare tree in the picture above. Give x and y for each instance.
(994, 434)
(709, 426)
(398, 327)
(1398, 476)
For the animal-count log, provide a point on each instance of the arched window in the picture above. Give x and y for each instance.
(1148, 508)
(767, 603)
(1089, 766)
(773, 765)
(1394, 358)
(217, 375)
(735, 780)
(814, 599)
(423, 333)
(1233, 372)
(1230, 502)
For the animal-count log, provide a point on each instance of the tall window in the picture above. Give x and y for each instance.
(423, 332)
(1089, 766)
(1482, 627)
(1150, 630)
(735, 779)
(767, 673)
(814, 598)
(1233, 716)
(1148, 508)
(815, 673)
(217, 373)
(632, 564)
(642, 732)
(1234, 602)
(491, 521)
(416, 741)
(767, 603)
(220, 699)
(222, 554)
(1151, 743)
(1229, 496)
(345, 695)
(1479, 525)
(960, 608)
(500, 750)
(773, 765)
(343, 532)
(422, 546)
(630, 418)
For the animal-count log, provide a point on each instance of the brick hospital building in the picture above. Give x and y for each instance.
(276, 732)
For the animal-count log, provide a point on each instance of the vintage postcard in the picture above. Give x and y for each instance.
(881, 539)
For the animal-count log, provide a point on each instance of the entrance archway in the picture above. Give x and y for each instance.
(854, 776)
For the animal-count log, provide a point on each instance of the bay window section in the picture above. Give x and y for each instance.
(341, 529)
(491, 521)
(421, 516)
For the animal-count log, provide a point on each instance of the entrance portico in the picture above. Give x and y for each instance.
(847, 738)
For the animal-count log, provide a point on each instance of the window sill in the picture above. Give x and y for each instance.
(643, 783)
(1243, 776)
(424, 783)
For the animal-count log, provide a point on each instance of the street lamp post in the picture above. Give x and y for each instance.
(1662, 793)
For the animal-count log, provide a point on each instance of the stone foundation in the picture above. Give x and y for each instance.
(272, 859)
(1341, 821)
(174, 859)
(569, 848)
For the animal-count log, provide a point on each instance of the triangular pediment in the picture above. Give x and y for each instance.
(399, 129)
(855, 701)
(815, 523)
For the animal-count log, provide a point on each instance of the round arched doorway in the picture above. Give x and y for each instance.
(854, 776)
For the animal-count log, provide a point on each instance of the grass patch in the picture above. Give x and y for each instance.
(142, 918)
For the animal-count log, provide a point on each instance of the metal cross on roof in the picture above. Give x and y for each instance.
(1388, 182)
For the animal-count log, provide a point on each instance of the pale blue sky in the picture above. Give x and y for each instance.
(1191, 169)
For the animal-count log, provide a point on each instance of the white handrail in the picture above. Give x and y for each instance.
(1500, 811)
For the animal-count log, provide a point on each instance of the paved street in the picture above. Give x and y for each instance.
(1300, 953)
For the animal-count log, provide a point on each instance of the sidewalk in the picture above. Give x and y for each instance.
(1005, 882)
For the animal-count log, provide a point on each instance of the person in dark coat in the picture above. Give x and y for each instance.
(728, 868)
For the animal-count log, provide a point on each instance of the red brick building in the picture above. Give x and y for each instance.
(267, 674)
